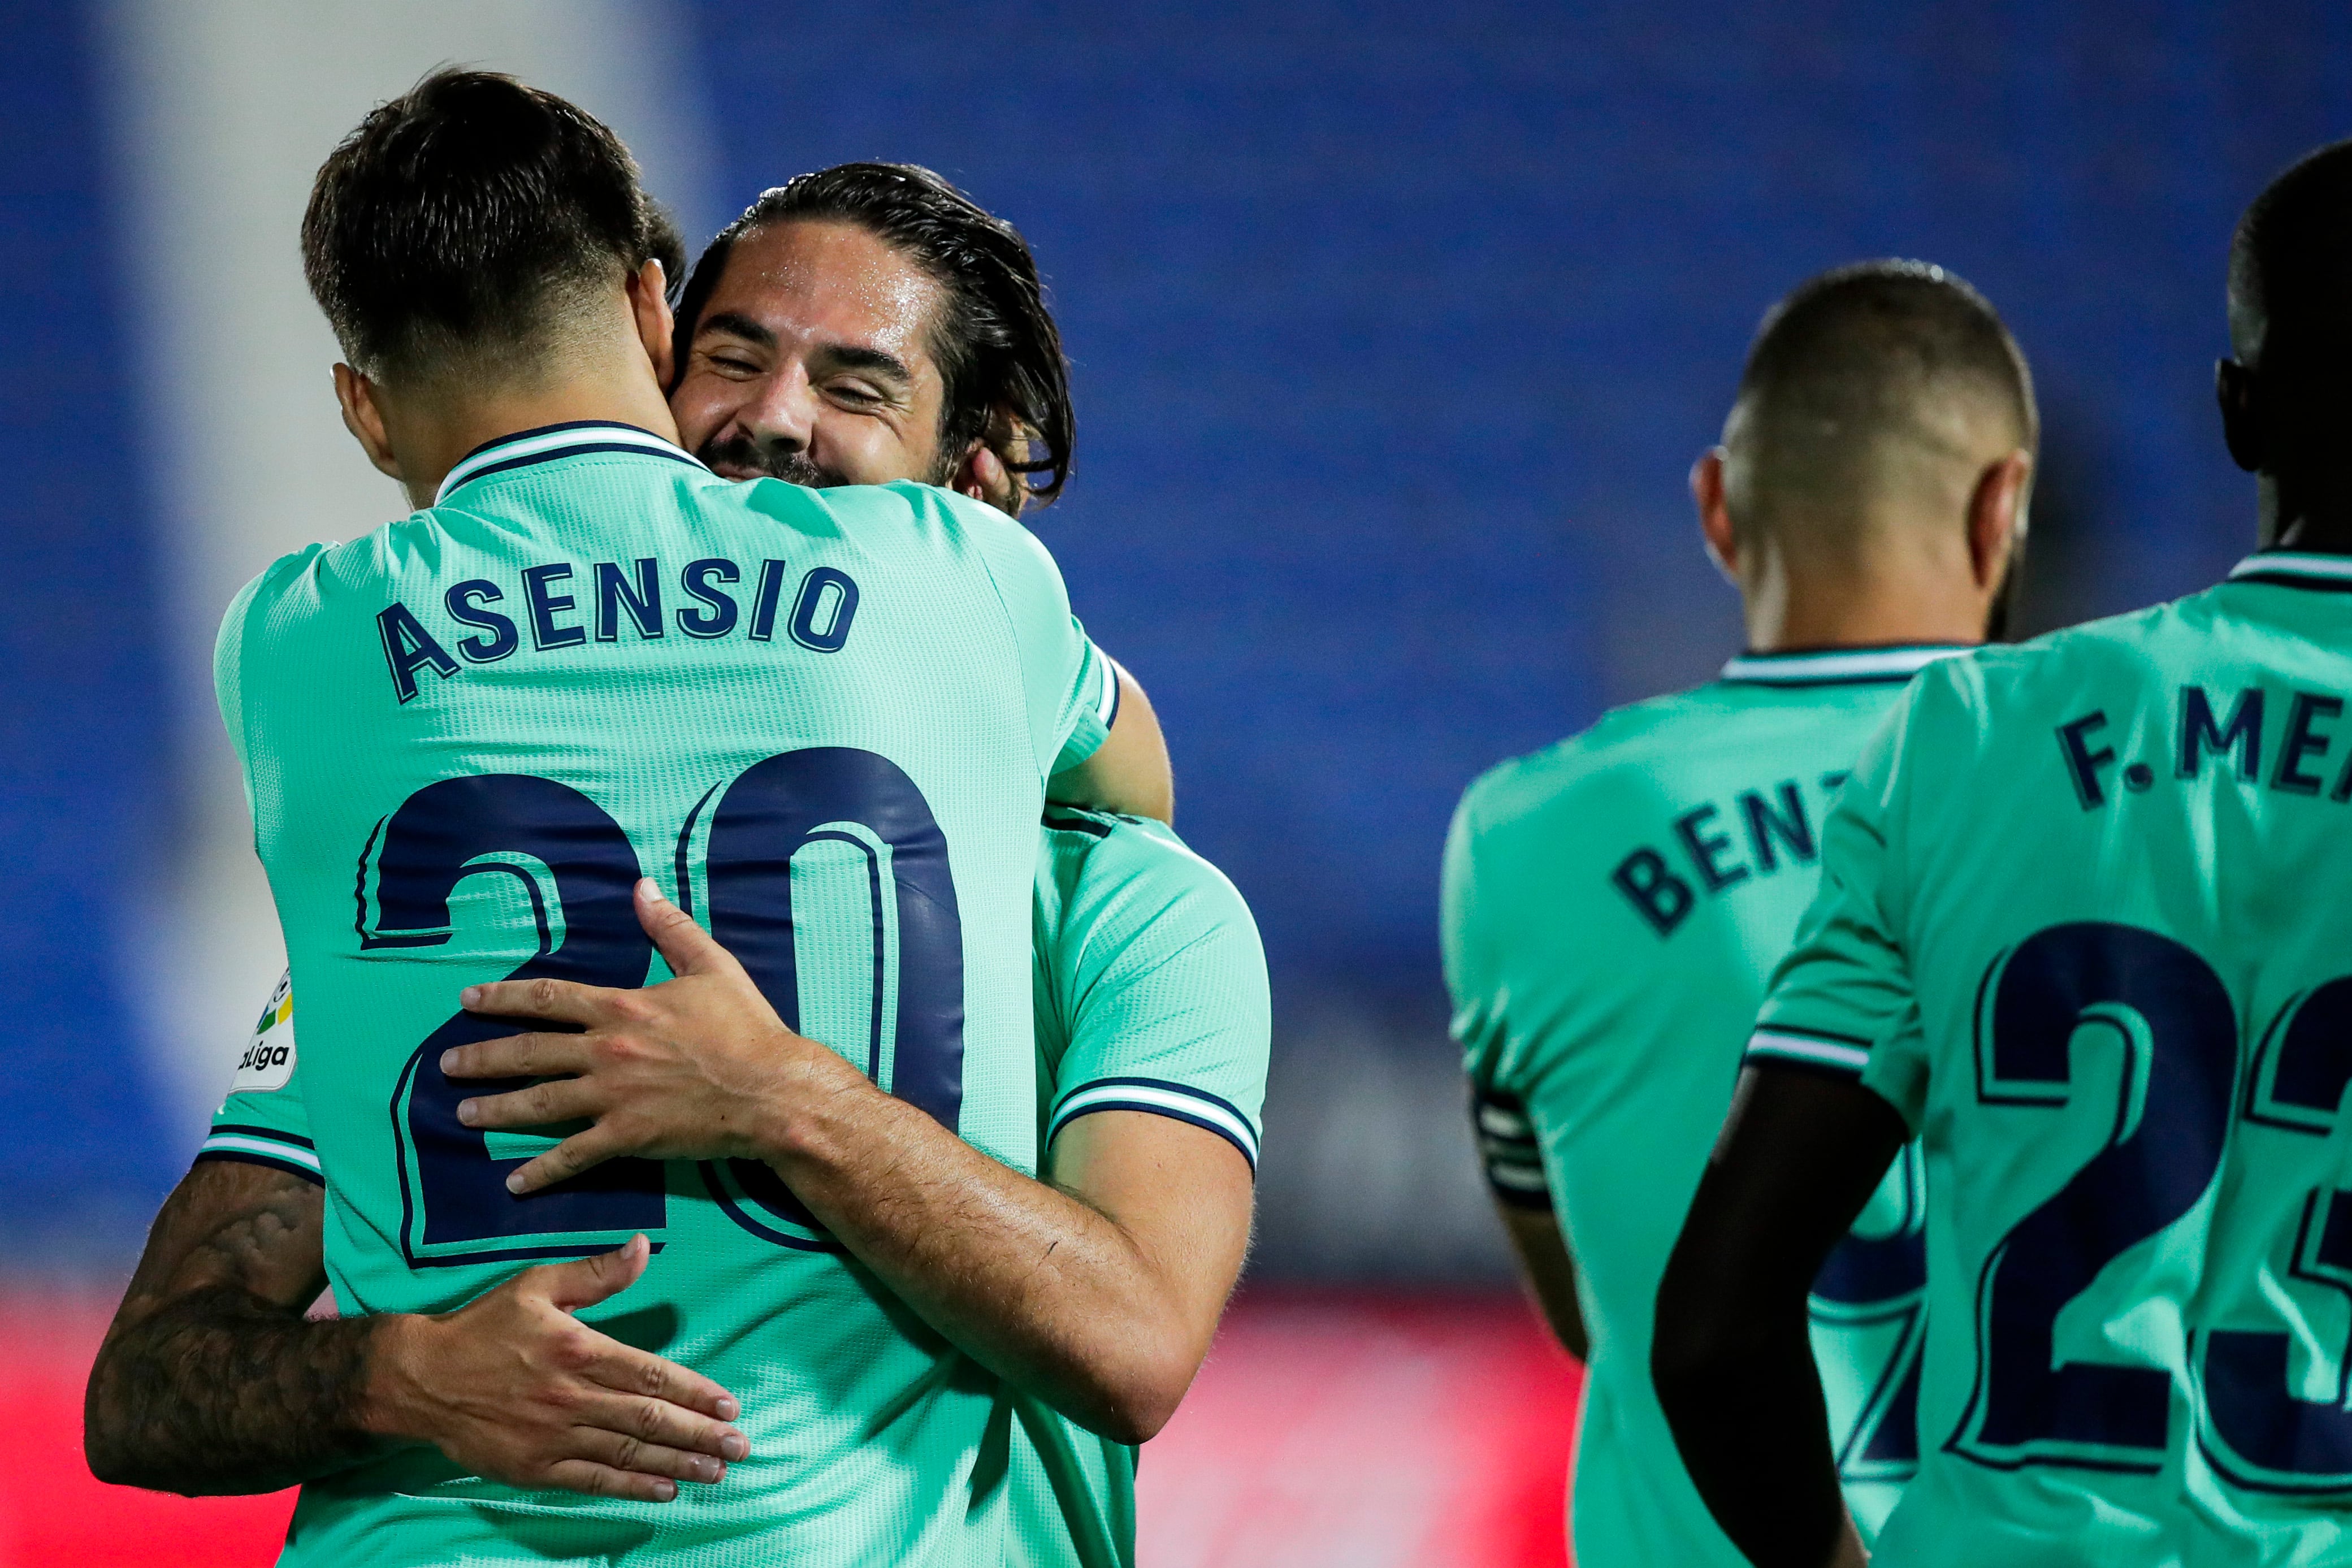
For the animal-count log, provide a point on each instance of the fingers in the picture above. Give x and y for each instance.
(628, 1370)
(602, 1480)
(684, 946)
(563, 1099)
(576, 1153)
(585, 1281)
(658, 1428)
(618, 1450)
(518, 1056)
(563, 1001)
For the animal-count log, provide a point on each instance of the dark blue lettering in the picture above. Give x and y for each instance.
(407, 644)
(544, 633)
(2200, 734)
(828, 592)
(643, 603)
(1706, 852)
(460, 602)
(763, 603)
(720, 617)
(1787, 824)
(2083, 764)
(1658, 895)
(2302, 739)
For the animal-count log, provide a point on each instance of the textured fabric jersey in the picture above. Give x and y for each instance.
(1613, 906)
(824, 722)
(1150, 993)
(1150, 996)
(2082, 921)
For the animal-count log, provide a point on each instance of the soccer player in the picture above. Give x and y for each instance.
(1613, 903)
(786, 703)
(2081, 929)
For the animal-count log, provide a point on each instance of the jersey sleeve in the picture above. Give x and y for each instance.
(1508, 1148)
(1842, 1001)
(1072, 689)
(263, 1120)
(1159, 982)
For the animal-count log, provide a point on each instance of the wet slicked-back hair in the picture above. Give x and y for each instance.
(2291, 269)
(1862, 355)
(996, 341)
(466, 223)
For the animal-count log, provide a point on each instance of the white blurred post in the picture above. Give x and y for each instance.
(222, 113)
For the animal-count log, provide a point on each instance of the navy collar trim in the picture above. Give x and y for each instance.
(1837, 665)
(2296, 569)
(575, 438)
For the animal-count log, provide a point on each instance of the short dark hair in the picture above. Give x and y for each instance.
(995, 341)
(2290, 290)
(1860, 351)
(465, 217)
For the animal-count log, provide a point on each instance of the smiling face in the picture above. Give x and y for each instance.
(812, 362)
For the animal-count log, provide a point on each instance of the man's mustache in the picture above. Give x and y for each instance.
(738, 451)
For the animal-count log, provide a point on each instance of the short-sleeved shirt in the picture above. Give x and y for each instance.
(1150, 995)
(1612, 905)
(822, 721)
(2082, 921)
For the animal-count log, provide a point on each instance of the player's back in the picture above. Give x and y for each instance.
(1614, 905)
(822, 721)
(2083, 924)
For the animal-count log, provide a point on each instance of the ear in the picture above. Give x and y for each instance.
(2237, 390)
(1714, 516)
(983, 477)
(364, 420)
(649, 304)
(1997, 517)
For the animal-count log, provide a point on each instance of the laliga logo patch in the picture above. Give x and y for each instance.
(268, 1060)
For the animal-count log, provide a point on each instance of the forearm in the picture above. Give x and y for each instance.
(1029, 1280)
(1748, 1417)
(219, 1392)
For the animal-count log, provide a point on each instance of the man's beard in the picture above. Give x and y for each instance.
(738, 451)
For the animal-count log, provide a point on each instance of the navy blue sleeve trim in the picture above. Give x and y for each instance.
(247, 1157)
(294, 1138)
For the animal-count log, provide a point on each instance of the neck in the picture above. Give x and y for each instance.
(1813, 609)
(434, 435)
(2294, 514)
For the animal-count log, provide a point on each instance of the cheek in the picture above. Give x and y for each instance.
(702, 406)
(865, 450)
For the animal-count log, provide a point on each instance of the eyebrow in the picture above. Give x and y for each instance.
(737, 325)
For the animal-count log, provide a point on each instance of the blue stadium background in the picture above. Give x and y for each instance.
(1396, 328)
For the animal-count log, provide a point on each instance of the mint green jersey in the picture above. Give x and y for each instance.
(823, 720)
(2082, 921)
(1150, 996)
(1613, 906)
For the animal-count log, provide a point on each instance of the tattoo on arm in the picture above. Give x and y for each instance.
(210, 1382)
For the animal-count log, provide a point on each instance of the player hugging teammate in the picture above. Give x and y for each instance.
(904, 1204)
(772, 1089)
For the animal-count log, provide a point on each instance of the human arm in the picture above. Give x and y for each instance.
(1731, 1356)
(211, 1382)
(1130, 772)
(1548, 1271)
(1097, 1289)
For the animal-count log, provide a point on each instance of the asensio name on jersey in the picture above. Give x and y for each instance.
(2081, 924)
(1151, 997)
(823, 720)
(1608, 902)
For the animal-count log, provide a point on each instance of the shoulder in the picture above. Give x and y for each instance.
(1622, 751)
(1122, 875)
(2055, 670)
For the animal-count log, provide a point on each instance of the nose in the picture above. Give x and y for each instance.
(782, 413)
